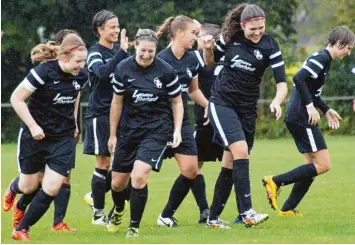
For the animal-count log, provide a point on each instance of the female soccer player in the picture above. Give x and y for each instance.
(46, 137)
(182, 32)
(302, 119)
(103, 57)
(248, 51)
(144, 88)
(61, 201)
(206, 149)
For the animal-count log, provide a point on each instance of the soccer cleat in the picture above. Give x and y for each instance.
(89, 200)
(293, 212)
(62, 226)
(116, 220)
(169, 221)
(132, 232)
(21, 235)
(238, 220)
(204, 216)
(216, 224)
(252, 218)
(17, 216)
(99, 220)
(9, 198)
(272, 191)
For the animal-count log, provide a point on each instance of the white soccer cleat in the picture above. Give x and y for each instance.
(252, 218)
(167, 222)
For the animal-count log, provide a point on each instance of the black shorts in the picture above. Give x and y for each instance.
(33, 155)
(149, 148)
(97, 135)
(231, 125)
(307, 139)
(207, 150)
(188, 144)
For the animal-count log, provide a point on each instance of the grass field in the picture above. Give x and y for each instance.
(328, 209)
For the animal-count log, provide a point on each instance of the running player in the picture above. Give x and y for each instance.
(143, 86)
(206, 149)
(103, 57)
(182, 32)
(248, 51)
(302, 118)
(46, 137)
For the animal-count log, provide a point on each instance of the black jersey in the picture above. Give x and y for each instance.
(186, 68)
(308, 85)
(147, 93)
(101, 63)
(243, 68)
(54, 94)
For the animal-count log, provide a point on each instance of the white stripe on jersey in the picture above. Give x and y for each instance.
(115, 81)
(311, 139)
(173, 82)
(175, 91)
(92, 54)
(27, 85)
(275, 55)
(96, 142)
(317, 63)
(314, 75)
(199, 58)
(277, 65)
(34, 73)
(217, 70)
(94, 61)
(221, 39)
(218, 124)
(218, 47)
(118, 91)
(18, 149)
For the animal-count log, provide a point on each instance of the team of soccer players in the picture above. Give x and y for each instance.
(138, 114)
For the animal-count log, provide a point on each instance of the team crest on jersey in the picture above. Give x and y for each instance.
(76, 85)
(157, 82)
(188, 71)
(258, 55)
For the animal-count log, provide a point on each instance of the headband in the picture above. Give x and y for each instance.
(146, 35)
(252, 19)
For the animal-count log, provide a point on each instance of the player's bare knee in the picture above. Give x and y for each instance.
(138, 181)
(118, 185)
(29, 189)
(190, 172)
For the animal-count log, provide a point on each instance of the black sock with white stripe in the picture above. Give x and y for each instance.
(178, 193)
(302, 172)
(36, 210)
(61, 202)
(98, 188)
(299, 190)
(14, 186)
(119, 198)
(138, 200)
(241, 182)
(222, 190)
(198, 188)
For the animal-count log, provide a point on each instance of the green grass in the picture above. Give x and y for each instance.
(328, 209)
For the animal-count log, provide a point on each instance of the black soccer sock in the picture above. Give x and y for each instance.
(299, 190)
(304, 171)
(241, 182)
(36, 210)
(108, 180)
(138, 200)
(14, 186)
(222, 190)
(26, 199)
(178, 193)
(98, 187)
(198, 188)
(61, 202)
(129, 186)
(119, 198)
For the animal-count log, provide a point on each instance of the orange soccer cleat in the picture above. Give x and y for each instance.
(9, 198)
(17, 216)
(62, 226)
(21, 235)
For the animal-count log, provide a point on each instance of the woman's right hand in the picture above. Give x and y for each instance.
(313, 115)
(176, 138)
(124, 40)
(112, 144)
(37, 132)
